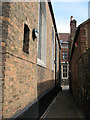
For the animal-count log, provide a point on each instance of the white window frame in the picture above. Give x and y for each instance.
(42, 61)
(62, 71)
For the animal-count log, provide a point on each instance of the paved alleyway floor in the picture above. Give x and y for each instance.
(63, 106)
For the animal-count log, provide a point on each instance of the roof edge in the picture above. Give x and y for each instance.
(76, 36)
(54, 22)
(85, 22)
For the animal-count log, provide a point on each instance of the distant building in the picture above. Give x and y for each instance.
(64, 57)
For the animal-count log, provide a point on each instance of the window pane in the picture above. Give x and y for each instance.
(64, 74)
(64, 67)
(42, 33)
(63, 57)
(65, 70)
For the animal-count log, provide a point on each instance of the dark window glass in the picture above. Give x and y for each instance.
(26, 39)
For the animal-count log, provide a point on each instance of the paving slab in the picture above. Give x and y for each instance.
(63, 106)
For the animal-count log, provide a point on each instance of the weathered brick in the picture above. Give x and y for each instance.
(80, 69)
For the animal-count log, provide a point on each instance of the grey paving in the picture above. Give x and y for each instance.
(63, 106)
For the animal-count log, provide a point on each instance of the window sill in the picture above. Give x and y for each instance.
(65, 78)
(41, 63)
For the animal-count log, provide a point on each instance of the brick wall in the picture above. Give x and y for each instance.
(20, 85)
(84, 82)
(0, 63)
(24, 80)
(88, 34)
(80, 67)
(84, 38)
(74, 73)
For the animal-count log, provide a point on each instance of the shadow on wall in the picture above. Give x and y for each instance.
(5, 23)
(84, 82)
(38, 107)
(44, 86)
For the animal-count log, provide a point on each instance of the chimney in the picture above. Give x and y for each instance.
(72, 25)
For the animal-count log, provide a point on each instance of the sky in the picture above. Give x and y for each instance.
(63, 10)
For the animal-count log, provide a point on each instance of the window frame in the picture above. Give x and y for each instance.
(64, 72)
(42, 61)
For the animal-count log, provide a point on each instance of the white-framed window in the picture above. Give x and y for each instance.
(41, 60)
(52, 48)
(64, 71)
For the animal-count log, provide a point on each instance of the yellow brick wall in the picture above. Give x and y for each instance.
(20, 84)
(24, 79)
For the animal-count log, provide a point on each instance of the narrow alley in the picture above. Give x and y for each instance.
(63, 106)
(44, 73)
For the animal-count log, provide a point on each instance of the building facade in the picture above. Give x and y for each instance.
(79, 61)
(64, 58)
(28, 73)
